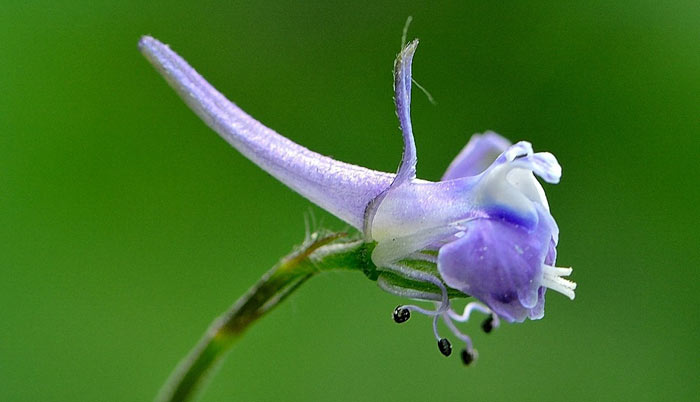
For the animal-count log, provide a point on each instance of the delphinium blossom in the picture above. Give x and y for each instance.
(484, 230)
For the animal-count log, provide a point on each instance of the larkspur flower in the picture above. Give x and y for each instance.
(484, 230)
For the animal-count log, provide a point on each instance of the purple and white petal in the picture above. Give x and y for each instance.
(500, 264)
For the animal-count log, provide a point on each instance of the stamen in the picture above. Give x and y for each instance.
(559, 271)
(401, 314)
(445, 347)
(468, 310)
(424, 277)
(487, 325)
(406, 293)
(552, 278)
(496, 320)
(462, 337)
(469, 356)
(424, 257)
(435, 330)
(430, 313)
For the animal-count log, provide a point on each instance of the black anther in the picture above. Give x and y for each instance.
(467, 357)
(445, 347)
(487, 325)
(401, 314)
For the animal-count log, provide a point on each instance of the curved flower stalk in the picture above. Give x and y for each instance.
(320, 252)
(484, 230)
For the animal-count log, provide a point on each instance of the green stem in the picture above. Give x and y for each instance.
(318, 254)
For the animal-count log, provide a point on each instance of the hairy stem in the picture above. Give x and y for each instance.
(319, 253)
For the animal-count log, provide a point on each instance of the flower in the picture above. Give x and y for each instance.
(484, 230)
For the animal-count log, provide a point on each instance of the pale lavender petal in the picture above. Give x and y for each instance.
(340, 188)
(519, 149)
(477, 155)
(542, 164)
(418, 214)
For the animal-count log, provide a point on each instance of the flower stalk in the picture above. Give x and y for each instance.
(320, 252)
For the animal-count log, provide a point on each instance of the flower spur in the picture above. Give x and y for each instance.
(484, 230)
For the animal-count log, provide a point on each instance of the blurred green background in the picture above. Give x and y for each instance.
(126, 225)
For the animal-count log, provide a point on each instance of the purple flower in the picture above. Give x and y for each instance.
(485, 229)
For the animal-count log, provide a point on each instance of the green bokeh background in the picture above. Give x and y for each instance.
(126, 225)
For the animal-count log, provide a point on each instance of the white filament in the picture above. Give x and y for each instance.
(552, 278)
